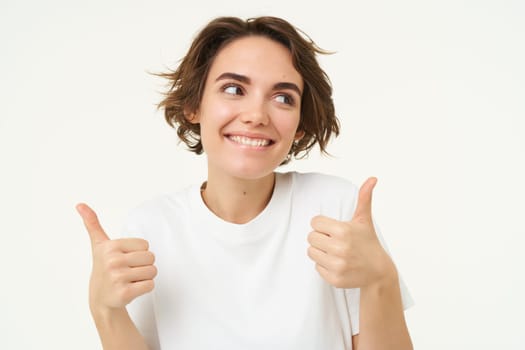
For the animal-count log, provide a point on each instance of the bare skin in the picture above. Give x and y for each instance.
(244, 200)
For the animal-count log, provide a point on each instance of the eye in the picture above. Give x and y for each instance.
(285, 98)
(232, 89)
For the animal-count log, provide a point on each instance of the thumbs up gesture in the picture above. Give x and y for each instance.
(349, 254)
(122, 269)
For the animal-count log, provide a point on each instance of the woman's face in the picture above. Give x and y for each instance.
(250, 108)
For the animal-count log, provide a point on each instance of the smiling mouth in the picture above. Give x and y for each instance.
(249, 141)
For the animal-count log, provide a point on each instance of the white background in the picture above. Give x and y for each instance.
(431, 98)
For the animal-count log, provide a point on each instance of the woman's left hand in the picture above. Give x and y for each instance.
(348, 254)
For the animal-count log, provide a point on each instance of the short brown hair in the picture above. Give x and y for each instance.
(186, 83)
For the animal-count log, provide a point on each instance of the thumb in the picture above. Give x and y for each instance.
(95, 231)
(364, 201)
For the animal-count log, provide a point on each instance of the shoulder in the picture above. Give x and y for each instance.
(328, 195)
(157, 209)
(323, 184)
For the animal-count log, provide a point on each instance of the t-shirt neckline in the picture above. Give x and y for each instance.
(259, 226)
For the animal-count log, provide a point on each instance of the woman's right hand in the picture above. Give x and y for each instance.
(122, 268)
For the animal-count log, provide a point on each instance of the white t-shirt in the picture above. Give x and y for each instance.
(245, 286)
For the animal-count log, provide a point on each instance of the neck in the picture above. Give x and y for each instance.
(238, 200)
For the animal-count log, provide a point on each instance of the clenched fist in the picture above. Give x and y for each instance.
(122, 268)
(349, 254)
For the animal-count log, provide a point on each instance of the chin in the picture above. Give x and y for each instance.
(252, 170)
(241, 167)
(252, 174)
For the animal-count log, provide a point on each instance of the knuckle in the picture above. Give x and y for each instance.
(125, 295)
(310, 237)
(116, 277)
(149, 286)
(110, 246)
(337, 281)
(113, 262)
(323, 273)
(317, 268)
(343, 249)
(340, 266)
(341, 229)
(331, 277)
(340, 250)
(310, 252)
(153, 271)
(102, 249)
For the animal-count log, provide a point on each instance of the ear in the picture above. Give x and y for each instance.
(299, 135)
(192, 117)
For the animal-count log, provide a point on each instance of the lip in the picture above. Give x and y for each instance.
(259, 136)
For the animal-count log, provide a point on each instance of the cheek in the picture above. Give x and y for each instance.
(214, 117)
(287, 125)
(216, 113)
(211, 117)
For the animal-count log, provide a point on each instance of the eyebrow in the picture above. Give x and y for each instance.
(244, 79)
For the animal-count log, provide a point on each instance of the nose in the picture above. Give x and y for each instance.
(255, 113)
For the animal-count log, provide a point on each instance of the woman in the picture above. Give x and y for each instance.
(251, 258)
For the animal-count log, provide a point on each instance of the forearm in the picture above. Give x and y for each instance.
(382, 320)
(117, 331)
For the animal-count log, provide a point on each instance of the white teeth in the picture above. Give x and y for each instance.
(243, 140)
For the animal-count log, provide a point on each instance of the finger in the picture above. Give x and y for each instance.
(95, 230)
(331, 277)
(128, 245)
(364, 201)
(135, 289)
(324, 273)
(320, 257)
(320, 241)
(140, 258)
(141, 273)
(332, 246)
(141, 287)
(328, 226)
